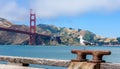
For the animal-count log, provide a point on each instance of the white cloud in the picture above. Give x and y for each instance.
(48, 8)
(10, 10)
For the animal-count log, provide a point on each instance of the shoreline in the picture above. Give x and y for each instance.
(67, 45)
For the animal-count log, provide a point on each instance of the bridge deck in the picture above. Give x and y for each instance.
(23, 32)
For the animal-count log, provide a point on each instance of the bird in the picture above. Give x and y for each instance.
(81, 40)
(84, 42)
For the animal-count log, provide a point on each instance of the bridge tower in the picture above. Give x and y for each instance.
(32, 28)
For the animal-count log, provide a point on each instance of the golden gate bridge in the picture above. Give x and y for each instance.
(32, 33)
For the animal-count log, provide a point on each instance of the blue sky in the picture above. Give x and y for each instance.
(99, 16)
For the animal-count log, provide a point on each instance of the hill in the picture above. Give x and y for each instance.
(11, 38)
(61, 35)
(69, 36)
(4, 23)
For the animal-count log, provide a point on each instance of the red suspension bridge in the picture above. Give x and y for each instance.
(32, 33)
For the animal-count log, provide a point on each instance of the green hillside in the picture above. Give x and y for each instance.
(60, 36)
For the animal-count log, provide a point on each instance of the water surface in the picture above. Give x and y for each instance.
(57, 52)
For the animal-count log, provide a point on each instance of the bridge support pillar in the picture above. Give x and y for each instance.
(32, 28)
(32, 40)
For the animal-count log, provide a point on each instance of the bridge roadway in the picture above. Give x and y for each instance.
(23, 32)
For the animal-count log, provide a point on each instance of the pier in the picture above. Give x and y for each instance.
(25, 61)
(81, 62)
(3, 66)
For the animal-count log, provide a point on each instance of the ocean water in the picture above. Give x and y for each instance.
(56, 52)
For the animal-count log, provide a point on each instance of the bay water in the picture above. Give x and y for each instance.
(56, 52)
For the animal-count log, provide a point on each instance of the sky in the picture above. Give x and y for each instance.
(101, 17)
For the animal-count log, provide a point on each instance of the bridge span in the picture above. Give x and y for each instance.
(23, 32)
(38, 36)
(32, 33)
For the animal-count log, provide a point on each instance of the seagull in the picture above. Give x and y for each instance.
(84, 42)
(81, 40)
